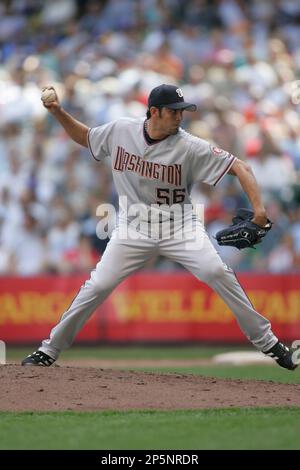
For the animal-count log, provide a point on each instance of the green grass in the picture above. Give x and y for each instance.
(265, 428)
(248, 372)
(132, 352)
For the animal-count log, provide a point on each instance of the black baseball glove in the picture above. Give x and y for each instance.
(243, 233)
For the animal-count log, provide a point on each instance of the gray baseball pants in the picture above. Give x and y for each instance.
(123, 257)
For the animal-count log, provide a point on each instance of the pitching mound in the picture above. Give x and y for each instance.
(91, 388)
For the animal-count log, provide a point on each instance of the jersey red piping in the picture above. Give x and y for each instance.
(89, 145)
(243, 290)
(226, 170)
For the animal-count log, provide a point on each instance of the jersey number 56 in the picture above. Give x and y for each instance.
(170, 196)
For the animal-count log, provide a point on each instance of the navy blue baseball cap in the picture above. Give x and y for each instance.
(169, 96)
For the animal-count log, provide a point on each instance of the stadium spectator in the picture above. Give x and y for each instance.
(239, 61)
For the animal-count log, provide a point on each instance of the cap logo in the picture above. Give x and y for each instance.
(179, 92)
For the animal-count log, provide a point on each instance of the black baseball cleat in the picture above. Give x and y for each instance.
(38, 358)
(282, 355)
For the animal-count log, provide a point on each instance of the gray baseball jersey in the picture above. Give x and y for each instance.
(158, 173)
(161, 173)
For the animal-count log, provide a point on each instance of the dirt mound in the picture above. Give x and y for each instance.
(91, 388)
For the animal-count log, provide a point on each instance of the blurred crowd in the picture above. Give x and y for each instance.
(238, 60)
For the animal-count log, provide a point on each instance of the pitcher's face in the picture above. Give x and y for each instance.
(170, 120)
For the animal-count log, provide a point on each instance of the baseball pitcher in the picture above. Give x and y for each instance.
(154, 165)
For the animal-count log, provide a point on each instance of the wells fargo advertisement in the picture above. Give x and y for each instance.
(147, 307)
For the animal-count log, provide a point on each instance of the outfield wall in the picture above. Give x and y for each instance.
(147, 307)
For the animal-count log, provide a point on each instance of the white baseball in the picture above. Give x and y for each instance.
(48, 95)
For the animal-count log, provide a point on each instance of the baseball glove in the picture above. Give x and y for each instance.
(243, 233)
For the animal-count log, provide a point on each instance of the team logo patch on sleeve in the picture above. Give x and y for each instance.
(218, 151)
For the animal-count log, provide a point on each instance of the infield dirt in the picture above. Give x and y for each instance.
(93, 388)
